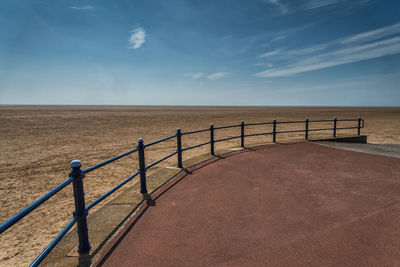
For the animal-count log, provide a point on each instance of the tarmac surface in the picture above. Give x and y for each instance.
(283, 205)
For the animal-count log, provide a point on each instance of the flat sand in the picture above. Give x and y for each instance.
(38, 142)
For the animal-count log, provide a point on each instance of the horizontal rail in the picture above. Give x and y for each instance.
(227, 138)
(97, 201)
(258, 123)
(53, 243)
(160, 160)
(92, 168)
(226, 127)
(197, 131)
(159, 141)
(10, 222)
(257, 134)
(199, 145)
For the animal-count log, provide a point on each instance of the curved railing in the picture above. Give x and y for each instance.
(76, 175)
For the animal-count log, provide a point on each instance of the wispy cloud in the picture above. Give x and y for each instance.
(217, 75)
(137, 38)
(271, 53)
(194, 76)
(279, 4)
(290, 6)
(312, 4)
(368, 45)
(373, 35)
(278, 38)
(87, 7)
(233, 46)
(270, 65)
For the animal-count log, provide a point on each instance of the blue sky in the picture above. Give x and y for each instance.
(181, 52)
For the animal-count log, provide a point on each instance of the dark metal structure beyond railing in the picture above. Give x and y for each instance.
(77, 174)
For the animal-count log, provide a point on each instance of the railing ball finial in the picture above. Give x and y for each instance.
(75, 164)
(140, 140)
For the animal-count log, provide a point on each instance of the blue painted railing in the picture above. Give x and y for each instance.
(77, 174)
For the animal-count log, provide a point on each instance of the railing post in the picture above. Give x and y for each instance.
(242, 134)
(142, 169)
(80, 208)
(359, 126)
(274, 131)
(307, 122)
(179, 147)
(212, 139)
(334, 126)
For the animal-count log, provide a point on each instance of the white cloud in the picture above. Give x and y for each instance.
(278, 38)
(194, 76)
(307, 50)
(217, 75)
(338, 57)
(270, 65)
(137, 38)
(342, 51)
(271, 53)
(279, 4)
(290, 6)
(311, 4)
(87, 7)
(373, 35)
(321, 3)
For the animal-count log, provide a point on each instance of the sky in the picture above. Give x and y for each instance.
(209, 52)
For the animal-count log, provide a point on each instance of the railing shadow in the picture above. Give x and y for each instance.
(163, 189)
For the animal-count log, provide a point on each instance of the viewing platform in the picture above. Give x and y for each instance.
(282, 204)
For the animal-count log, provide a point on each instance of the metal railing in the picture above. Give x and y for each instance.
(77, 174)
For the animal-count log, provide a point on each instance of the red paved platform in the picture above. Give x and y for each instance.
(297, 204)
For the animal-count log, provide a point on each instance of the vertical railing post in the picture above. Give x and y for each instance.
(212, 139)
(142, 170)
(359, 126)
(80, 208)
(334, 126)
(242, 134)
(274, 131)
(307, 122)
(179, 147)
